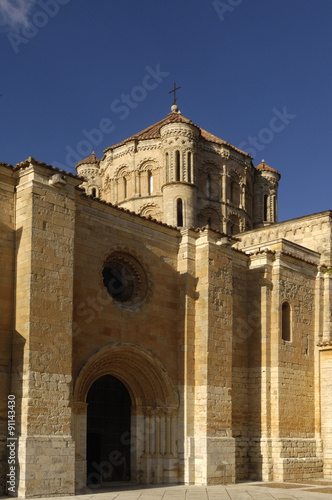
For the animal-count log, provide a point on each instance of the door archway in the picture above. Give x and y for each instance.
(108, 431)
(154, 411)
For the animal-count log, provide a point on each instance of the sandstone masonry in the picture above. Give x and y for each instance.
(162, 269)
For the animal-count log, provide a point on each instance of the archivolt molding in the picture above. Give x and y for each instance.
(122, 171)
(189, 149)
(235, 175)
(209, 211)
(232, 216)
(138, 369)
(211, 167)
(147, 164)
(149, 209)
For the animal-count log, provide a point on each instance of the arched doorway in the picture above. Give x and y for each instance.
(153, 406)
(108, 431)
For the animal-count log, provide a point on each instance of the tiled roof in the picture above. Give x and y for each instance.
(7, 165)
(266, 168)
(122, 209)
(30, 160)
(149, 218)
(90, 160)
(153, 132)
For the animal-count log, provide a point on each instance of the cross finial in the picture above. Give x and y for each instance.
(174, 91)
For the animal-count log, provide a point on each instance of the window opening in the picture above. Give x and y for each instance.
(177, 165)
(179, 213)
(232, 191)
(150, 181)
(265, 206)
(124, 187)
(286, 321)
(167, 167)
(208, 186)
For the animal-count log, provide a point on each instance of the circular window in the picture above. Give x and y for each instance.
(124, 279)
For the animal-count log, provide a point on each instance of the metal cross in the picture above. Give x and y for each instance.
(174, 90)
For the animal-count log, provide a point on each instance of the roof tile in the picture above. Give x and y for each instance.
(266, 168)
(90, 160)
(153, 132)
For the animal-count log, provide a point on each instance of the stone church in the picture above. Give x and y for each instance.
(158, 325)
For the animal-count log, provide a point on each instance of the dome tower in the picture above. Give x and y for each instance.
(89, 170)
(179, 153)
(265, 195)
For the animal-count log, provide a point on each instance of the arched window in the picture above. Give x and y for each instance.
(150, 183)
(94, 192)
(208, 186)
(286, 321)
(177, 165)
(179, 210)
(266, 199)
(124, 188)
(189, 167)
(235, 192)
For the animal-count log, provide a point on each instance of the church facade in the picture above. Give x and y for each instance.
(158, 325)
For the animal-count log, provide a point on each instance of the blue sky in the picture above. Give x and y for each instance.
(83, 75)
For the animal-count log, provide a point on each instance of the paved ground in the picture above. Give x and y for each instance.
(312, 490)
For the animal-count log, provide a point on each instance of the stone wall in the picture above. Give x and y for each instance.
(98, 319)
(326, 406)
(146, 330)
(241, 333)
(282, 372)
(216, 308)
(42, 359)
(187, 299)
(218, 394)
(312, 232)
(259, 322)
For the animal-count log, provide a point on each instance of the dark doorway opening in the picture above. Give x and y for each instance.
(108, 432)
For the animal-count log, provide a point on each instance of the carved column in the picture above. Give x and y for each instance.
(168, 435)
(147, 435)
(243, 197)
(157, 434)
(224, 186)
(79, 434)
